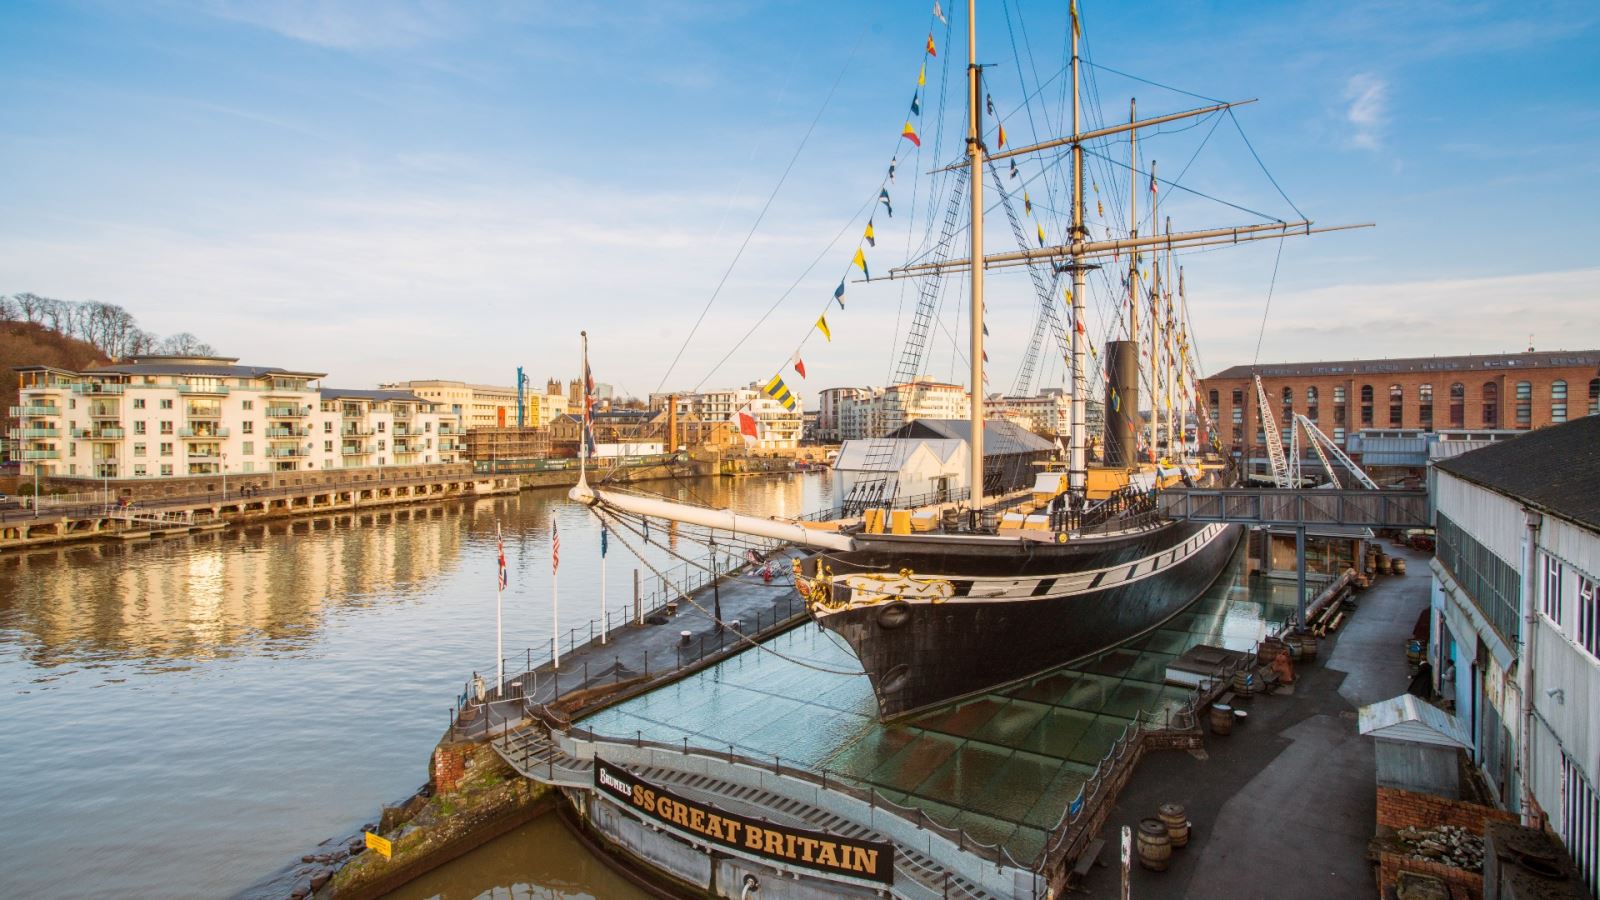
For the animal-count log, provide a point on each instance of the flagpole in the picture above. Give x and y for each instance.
(555, 595)
(603, 620)
(499, 633)
(583, 438)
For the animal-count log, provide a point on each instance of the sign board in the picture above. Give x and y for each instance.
(383, 845)
(818, 850)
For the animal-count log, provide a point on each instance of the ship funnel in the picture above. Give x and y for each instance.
(1122, 403)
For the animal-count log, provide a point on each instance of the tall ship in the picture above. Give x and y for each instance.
(1040, 559)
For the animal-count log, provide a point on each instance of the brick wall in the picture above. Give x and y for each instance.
(1463, 885)
(450, 766)
(1409, 809)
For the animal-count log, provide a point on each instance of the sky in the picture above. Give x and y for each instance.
(394, 189)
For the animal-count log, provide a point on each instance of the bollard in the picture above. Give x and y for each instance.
(585, 673)
(647, 663)
(616, 668)
(686, 745)
(730, 754)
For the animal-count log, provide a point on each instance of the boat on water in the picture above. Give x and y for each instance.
(999, 581)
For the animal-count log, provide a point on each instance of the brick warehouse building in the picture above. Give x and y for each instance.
(1514, 391)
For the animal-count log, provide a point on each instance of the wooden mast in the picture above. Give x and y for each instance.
(975, 156)
(1078, 454)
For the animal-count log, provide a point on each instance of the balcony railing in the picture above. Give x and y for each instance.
(35, 409)
(204, 412)
(358, 449)
(105, 412)
(99, 387)
(201, 389)
(288, 412)
(41, 454)
(26, 434)
(100, 433)
(203, 432)
(356, 430)
(287, 452)
(193, 456)
(281, 431)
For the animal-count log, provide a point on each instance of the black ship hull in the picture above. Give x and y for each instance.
(1012, 610)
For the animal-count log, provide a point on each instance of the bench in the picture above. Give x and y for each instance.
(1086, 861)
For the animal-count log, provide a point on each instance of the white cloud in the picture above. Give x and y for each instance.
(1368, 110)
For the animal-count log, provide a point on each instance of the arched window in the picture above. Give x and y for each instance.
(1425, 406)
(1491, 405)
(1366, 404)
(1397, 396)
(1594, 397)
(1312, 397)
(1216, 397)
(1558, 401)
(1458, 405)
(1524, 404)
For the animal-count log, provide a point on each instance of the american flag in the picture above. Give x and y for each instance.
(504, 577)
(555, 547)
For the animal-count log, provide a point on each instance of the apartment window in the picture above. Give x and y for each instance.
(138, 403)
(138, 449)
(166, 448)
(382, 425)
(1238, 416)
(1458, 405)
(1580, 823)
(248, 405)
(139, 470)
(1491, 405)
(1558, 401)
(1238, 397)
(1425, 405)
(166, 404)
(1588, 616)
(1288, 402)
(72, 403)
(427, 426)
(1366, 404)
(166, 426)
(1312, 397)
(249, 466)
(1551, 601)
(1338, 436)
(382, 445)
(247, 427)
(327, 446)
(1524, 404)
(139, 427)
(166, 468)
(1397, 397)
(327, 428)
(1594, 397)
(249, 448)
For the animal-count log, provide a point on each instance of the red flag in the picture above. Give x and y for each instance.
(749, 428)
(800, 366)
(931, 50)
(1002, 136)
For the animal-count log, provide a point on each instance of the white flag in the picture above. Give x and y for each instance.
(939, 13)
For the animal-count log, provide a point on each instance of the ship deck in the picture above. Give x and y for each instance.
(1002, 766)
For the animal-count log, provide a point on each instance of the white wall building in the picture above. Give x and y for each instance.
(830, 403)
(171, 416)
(874, 413)
(780, 428)
(1519, 542)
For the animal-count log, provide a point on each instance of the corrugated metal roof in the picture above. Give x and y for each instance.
(1554, 469)
(1406, 718)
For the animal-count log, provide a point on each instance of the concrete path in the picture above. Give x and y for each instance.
(1285, 805)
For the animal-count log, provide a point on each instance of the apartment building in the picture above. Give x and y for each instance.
(487, 405)
(1516, 623)
(169, 416)
(830, 408)
(874, 412)
(780, 428)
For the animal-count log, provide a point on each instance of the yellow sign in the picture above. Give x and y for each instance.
(381, 844)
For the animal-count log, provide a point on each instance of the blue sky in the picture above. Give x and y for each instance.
(403, 189)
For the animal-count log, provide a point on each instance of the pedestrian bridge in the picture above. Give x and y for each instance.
(1299, 508)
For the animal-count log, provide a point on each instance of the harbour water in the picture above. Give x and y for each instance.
(186, 716)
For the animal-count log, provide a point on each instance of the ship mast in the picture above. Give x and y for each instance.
(1078, 462)
(975, 155)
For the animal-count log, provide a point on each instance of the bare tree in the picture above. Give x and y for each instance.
(30, 305)
(184, 344)
(8, 309)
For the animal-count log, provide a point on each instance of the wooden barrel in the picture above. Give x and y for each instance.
(1243, 682)
(1221, 718)
(1291, 645)
(1397, 566)
(1176, 819)
(1308, 646)
(1155, 847)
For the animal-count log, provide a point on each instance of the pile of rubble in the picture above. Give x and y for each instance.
(1445, 844)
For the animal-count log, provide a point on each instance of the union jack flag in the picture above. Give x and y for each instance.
(588, 408)
(555, 548)
(505, 578)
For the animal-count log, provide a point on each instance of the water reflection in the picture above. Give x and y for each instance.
(185, 715)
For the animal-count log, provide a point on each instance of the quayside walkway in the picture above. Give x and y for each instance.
(1286, 804)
